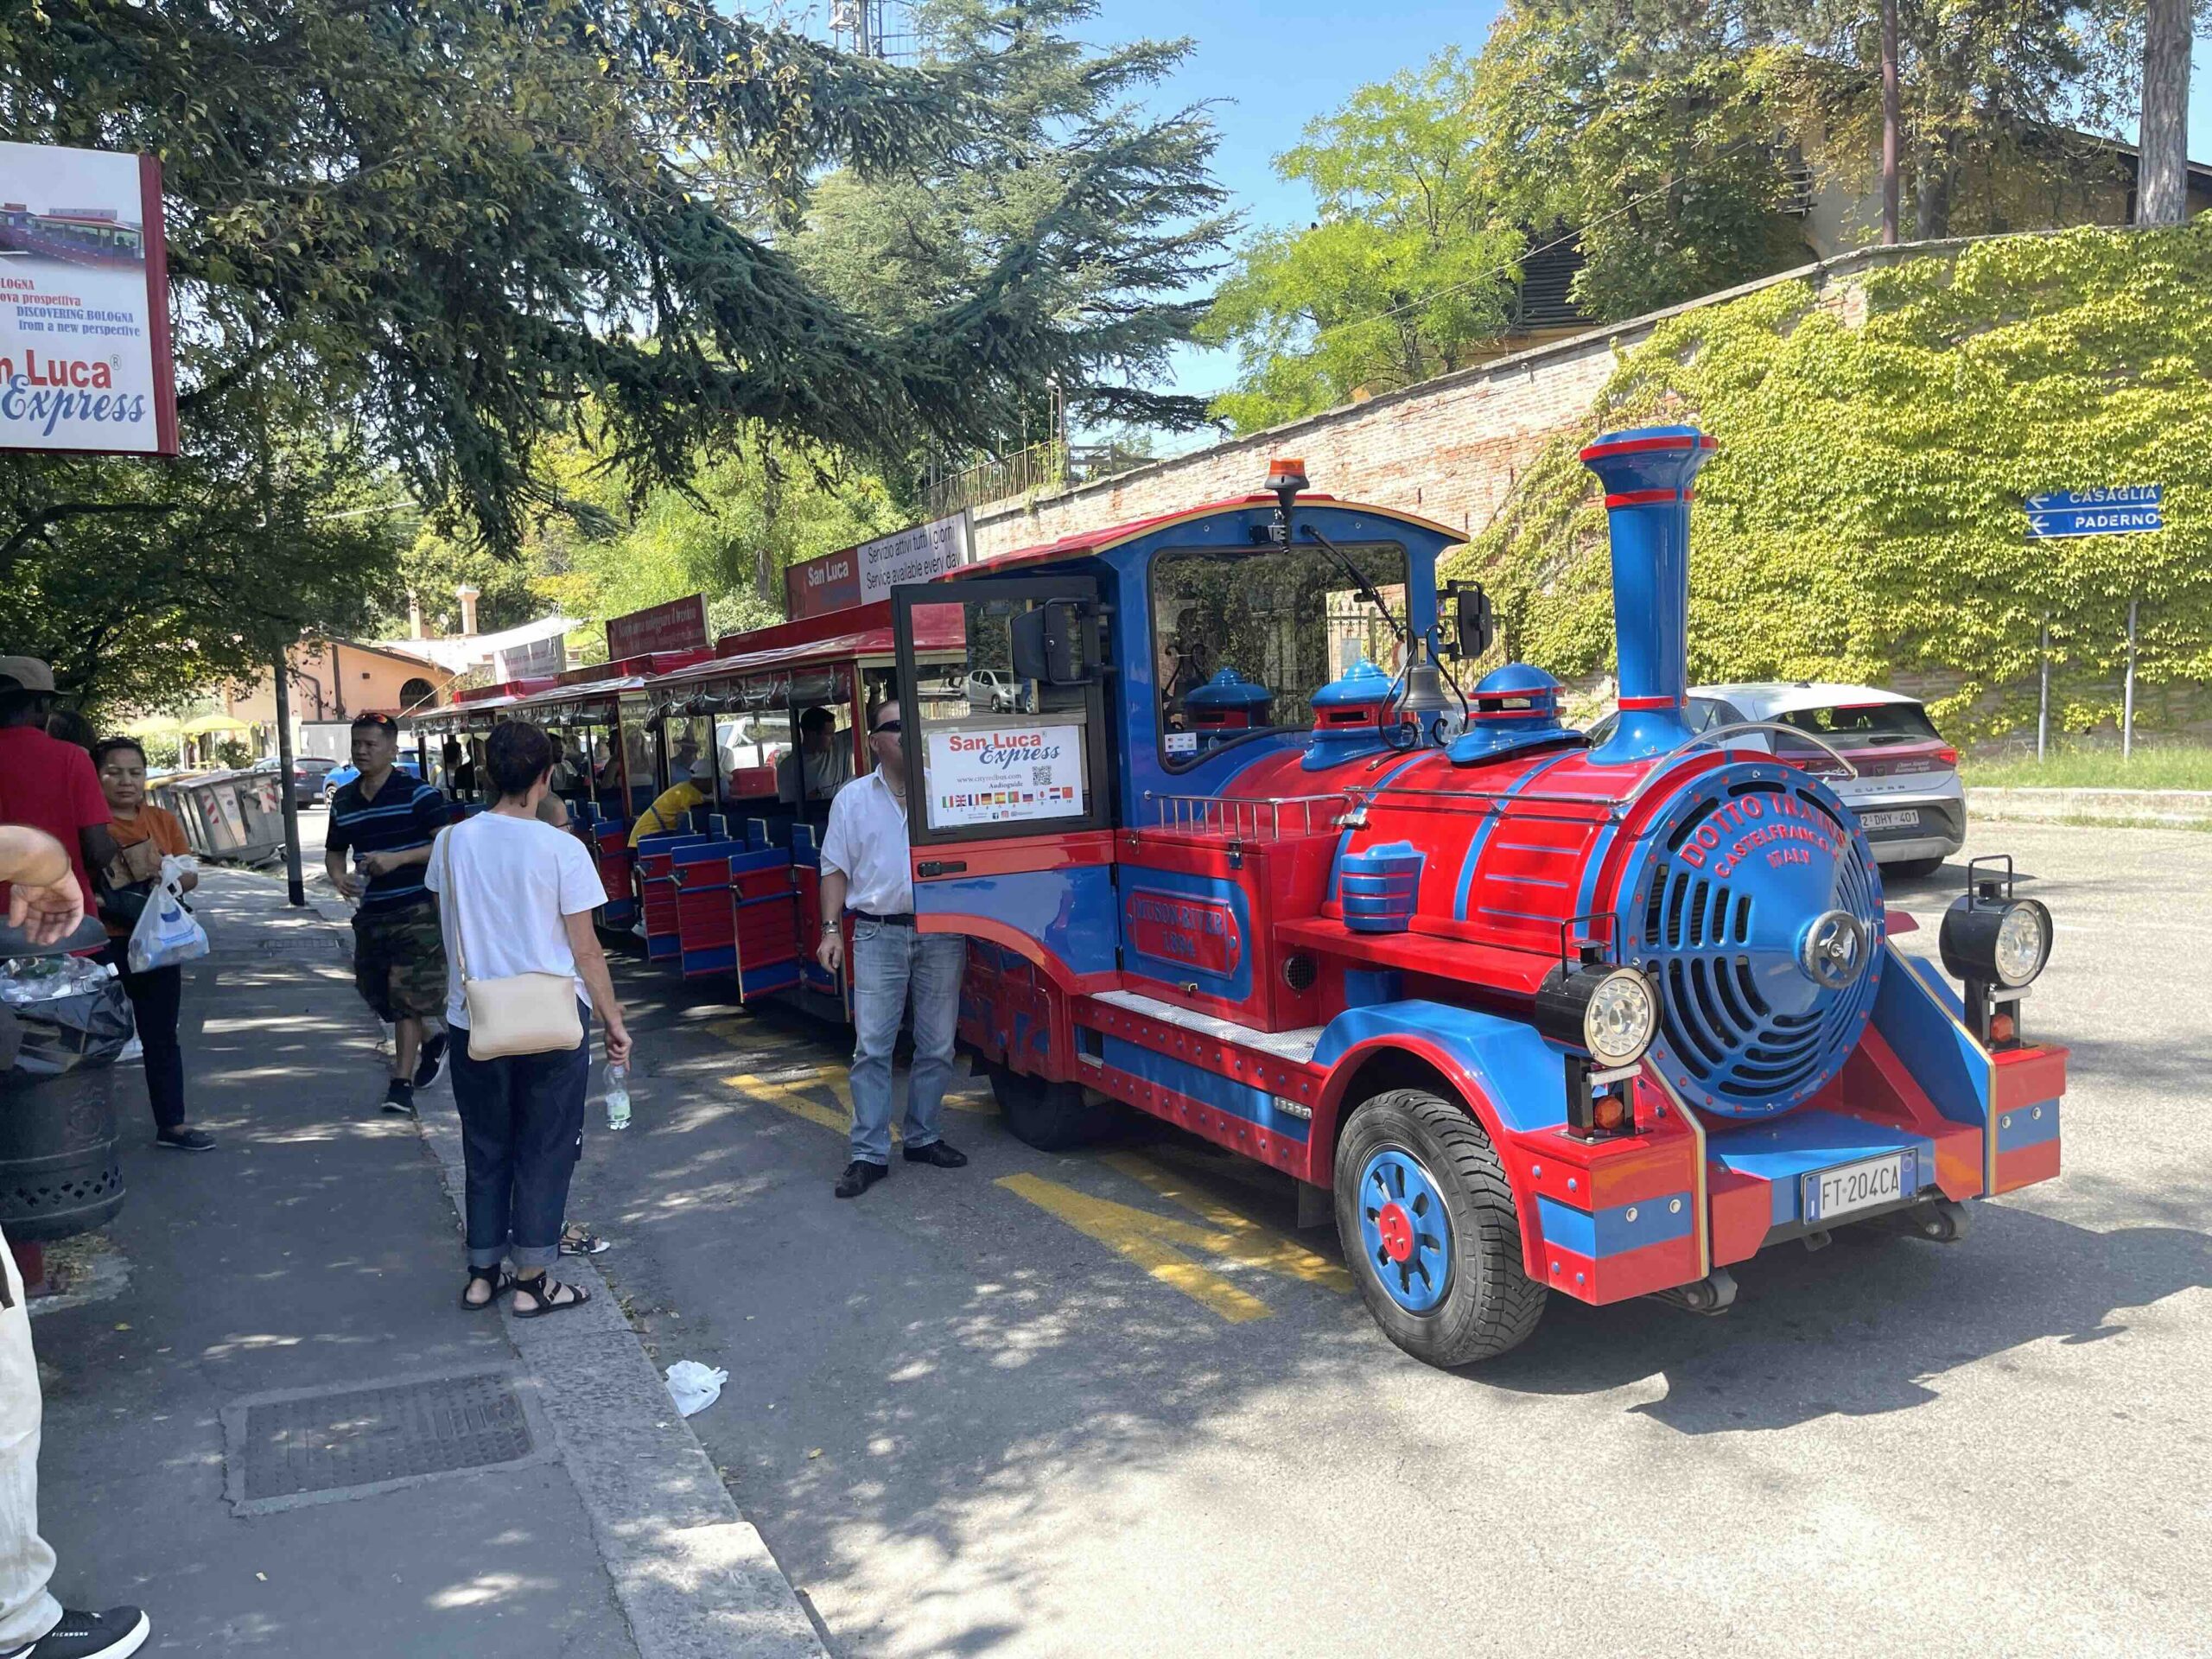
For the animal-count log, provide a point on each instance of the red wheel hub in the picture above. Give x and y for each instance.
(1397, 1230)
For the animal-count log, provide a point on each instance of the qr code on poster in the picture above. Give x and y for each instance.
(1040, 774)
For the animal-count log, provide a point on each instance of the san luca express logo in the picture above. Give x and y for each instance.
(1783, 827)
(48, 392)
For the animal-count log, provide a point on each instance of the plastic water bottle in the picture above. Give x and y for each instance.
(618, 1096)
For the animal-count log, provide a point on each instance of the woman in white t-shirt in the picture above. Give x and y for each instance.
(515, 896)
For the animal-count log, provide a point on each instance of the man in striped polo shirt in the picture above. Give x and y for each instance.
(386, 820)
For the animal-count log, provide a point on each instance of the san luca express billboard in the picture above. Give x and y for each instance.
(84, 362)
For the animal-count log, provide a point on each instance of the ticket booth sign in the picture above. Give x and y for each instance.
(1005, 775)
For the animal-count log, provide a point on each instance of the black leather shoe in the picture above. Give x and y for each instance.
(938, 1153)
(859, 1176)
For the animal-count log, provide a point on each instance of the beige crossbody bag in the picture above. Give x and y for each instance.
(521, 1014)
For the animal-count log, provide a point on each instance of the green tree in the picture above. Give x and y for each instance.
(1645, 128)
(1991, 94)
(447, 230)
(142, 582)
(1404, 268)
(744, 516)
(1092, 224)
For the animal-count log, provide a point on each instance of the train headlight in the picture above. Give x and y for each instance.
(1992, 941)
(1612, 1014)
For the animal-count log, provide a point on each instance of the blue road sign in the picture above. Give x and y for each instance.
(2124, 510)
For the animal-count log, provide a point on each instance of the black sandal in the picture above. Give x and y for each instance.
(498, 1278)
(546, 1291)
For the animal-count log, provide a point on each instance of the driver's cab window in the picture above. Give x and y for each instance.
(1002, 751)
(1242, 638)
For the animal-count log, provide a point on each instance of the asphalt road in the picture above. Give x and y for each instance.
(1113, 1404)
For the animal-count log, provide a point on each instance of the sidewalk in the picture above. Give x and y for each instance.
(507, 1490)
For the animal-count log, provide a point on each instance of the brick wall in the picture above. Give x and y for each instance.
(1449, 448)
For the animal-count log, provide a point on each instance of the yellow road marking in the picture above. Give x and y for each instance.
(1149, 1241)
(786, 1092)
(1155, 1243)
(1249, 1242)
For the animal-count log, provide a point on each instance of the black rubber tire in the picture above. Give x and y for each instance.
(1914, 868)
(1491, 1305)
(1050, 1116)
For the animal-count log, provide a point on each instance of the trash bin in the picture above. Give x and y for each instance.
(59, 1175)
(238, 816)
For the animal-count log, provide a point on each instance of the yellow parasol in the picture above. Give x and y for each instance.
(207, 725)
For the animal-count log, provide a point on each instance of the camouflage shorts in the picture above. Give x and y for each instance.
(399, 961)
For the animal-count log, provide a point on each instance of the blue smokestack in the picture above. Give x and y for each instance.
(1647, 474)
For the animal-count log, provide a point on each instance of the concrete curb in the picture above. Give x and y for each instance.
(2121, 806)
(693, 1576)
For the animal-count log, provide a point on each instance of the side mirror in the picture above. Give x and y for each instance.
(1477, 623)
(1056, 643)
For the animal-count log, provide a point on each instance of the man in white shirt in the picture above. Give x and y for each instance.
(864, 864)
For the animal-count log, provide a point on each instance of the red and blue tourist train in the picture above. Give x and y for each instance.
(1239, 842)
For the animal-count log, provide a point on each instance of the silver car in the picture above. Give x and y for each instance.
(1907, 792)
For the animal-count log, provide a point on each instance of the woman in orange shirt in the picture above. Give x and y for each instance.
(143, 833)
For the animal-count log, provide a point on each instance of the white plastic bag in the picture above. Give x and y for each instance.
(694, 1386)
(166, 934)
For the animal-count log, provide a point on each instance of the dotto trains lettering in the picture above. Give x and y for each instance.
(1812, 831)
(1540, 1017)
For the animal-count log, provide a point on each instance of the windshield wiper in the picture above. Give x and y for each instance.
(1366, 589)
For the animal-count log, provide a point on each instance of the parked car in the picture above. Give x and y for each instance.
(308, 772)
(1907, 792)
(987, 685)
(338, 776)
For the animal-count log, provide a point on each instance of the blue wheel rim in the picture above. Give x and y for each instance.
(1405, 1231)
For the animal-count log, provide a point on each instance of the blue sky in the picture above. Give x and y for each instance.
(1273, 67)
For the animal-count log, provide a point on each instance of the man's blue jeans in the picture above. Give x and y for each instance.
(892, 966)
(521, 1130)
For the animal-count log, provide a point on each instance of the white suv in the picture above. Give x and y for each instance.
(1907, 792)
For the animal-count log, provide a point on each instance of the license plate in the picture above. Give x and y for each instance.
(1907, 819)
(1870, 1184)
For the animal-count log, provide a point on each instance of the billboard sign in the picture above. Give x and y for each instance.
(539, 656)
(862, 575)
(85, 361)
(680, 625)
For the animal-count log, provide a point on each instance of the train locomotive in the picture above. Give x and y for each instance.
(1528, 1015)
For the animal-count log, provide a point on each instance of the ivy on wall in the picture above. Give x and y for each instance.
(1863, 517)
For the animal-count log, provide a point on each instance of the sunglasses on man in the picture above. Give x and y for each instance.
(889, 726)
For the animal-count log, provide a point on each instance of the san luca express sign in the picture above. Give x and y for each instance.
(84, 362)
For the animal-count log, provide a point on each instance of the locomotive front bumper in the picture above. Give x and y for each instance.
(1690, 1193)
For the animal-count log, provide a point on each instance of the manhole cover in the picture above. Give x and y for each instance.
(304, 1446)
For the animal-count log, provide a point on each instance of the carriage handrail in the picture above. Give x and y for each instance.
(1212, 814)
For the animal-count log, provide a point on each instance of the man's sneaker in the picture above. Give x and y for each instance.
(185, 1139)
(89, 1636)
(399, 1096)
(938, 1152)
(431, 1061)
(859, 1176)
